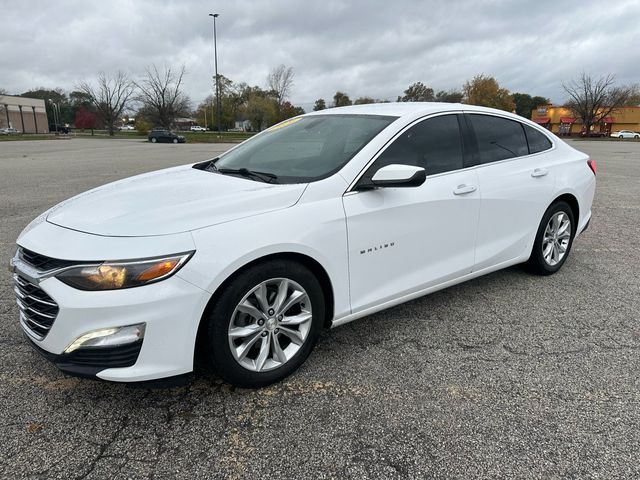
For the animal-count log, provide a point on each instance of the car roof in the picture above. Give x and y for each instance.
(410, 109)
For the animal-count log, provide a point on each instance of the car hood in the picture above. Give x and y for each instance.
(170, 201)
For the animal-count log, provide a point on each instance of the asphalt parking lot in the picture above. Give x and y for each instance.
(506, 376)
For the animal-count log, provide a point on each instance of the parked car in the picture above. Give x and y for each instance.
(9, 131)
(235, 129)
(127, 127)
(593, 134)
(197, 128)
(625, 134)
(240, 261)
(53, 128)
(162, 135)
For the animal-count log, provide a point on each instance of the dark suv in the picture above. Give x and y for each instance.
(164, 135)
(53, 128)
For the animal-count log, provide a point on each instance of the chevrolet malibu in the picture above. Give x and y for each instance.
(240, 261)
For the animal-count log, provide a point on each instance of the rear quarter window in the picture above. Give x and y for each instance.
(538, 141)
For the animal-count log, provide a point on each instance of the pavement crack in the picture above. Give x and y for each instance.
(102, 449)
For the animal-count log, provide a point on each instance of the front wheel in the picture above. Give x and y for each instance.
(154, 140)
(175, 140)
(265, 323)
(553, 240)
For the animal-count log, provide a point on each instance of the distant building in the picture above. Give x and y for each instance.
(185, 123)
(561, 121)
(27, 115)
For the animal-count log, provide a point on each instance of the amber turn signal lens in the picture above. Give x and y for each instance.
(158, 270)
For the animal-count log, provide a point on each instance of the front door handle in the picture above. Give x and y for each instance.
(539, 172)
(464, 189)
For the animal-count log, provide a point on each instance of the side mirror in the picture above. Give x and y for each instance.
(396, 175)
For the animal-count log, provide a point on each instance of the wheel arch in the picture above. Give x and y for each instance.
(572, 201)
(312, 264)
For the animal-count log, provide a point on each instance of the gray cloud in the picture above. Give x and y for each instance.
(362, 48)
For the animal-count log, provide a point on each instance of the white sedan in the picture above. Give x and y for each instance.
(240, 261)
(625, 134)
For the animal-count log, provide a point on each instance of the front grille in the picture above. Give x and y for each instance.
(38, 310)
(42, 262)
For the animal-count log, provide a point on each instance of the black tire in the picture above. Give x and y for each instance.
(175, 140)
(218, 351)
(153, 140)
(536, 263)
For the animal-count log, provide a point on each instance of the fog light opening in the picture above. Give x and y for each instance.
(109, 337)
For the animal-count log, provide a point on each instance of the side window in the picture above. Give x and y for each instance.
(498, 138)
(434, 144)
(538, 141)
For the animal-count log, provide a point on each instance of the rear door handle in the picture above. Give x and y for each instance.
(464, 189)
(539, 172)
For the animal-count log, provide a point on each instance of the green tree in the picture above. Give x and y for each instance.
(319, 105)
(261, 110)
(417, 92)
(341, 99)
(142, 127)
(525, 103)
(485, 91)
(451, 96)
(288, 110)
(363, 100)
(51, 96)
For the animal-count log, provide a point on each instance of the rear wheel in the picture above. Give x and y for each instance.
(154, 140)
(265, 323)
(553, 240)
(175, 140)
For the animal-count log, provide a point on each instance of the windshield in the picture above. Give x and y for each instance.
(304, 149)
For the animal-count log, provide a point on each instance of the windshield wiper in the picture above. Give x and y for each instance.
(245, 172)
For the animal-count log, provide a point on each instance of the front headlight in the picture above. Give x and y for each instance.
(113, 275)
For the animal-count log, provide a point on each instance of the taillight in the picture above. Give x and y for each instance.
(592, 165)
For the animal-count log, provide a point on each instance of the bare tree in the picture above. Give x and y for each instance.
(280, 81)
(161, 96)
(593, 99)
(110, 97)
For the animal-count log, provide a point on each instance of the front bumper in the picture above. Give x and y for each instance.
(90, 361)
(171, 310)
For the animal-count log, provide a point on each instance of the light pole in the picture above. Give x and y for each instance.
(56, 115)
(215, 56)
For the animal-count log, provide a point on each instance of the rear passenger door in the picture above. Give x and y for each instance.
(516, 179)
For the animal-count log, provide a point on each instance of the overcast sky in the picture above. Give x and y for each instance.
(364, 48)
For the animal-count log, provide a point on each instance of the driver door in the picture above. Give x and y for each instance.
(405, 239)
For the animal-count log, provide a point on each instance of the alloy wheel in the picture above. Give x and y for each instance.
(270, 324)
(557, 236)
